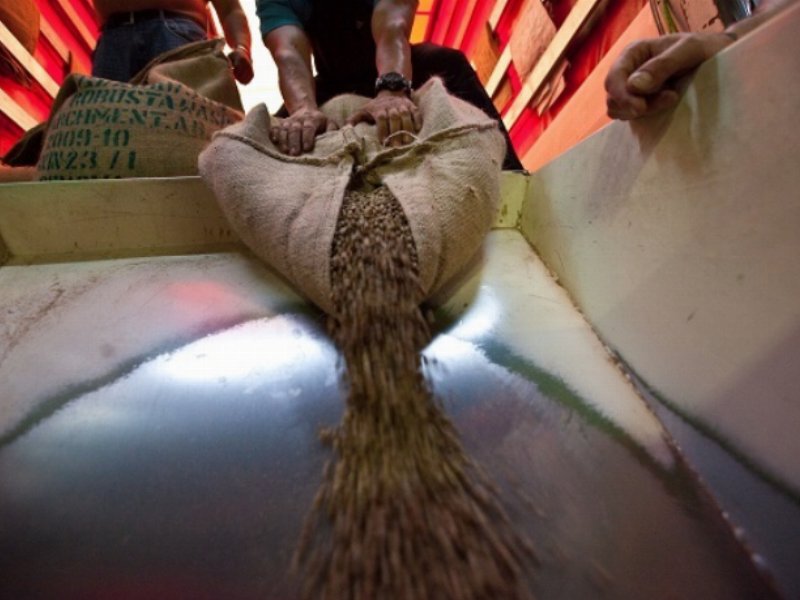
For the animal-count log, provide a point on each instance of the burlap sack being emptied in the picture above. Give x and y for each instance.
(285, 208)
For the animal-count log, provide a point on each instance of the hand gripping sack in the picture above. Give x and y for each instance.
(285, 208)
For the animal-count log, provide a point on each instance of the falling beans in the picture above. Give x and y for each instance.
(402, 512)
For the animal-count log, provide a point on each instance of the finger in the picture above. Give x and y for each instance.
(622, 102)
(408, 125)
(309, 132)
(295, 138)
(243, 71)
(664, 100)
(632, 57)
(416, 117)
(382, 120)
(395, 126)
(627, 108)
(283, 139)
(622, 114)
(273, 135)
(361, 116)
(677, 59)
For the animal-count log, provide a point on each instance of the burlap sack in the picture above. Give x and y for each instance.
(153, 127)
(285, 208)
(201, 66)
(102, 129)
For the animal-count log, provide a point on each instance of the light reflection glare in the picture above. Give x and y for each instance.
(446, 349)
(480, 318)
(256, 348)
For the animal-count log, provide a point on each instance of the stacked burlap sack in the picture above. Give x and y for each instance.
(153, 126)
(286, 208)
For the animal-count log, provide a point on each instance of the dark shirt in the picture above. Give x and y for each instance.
(276, 13)
(339, 31)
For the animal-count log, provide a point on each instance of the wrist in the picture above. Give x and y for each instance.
(391, 94)
(393, 82)
(303, 107)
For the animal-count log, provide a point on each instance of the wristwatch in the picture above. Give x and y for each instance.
(394, 82)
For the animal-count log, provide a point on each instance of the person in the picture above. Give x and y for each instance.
(359, 47)
(641, 81)
(133, 32)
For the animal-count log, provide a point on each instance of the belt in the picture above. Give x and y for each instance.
(129, 18)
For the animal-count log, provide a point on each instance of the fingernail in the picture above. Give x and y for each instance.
(641, 80)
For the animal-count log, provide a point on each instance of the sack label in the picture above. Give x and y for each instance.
(109, 129)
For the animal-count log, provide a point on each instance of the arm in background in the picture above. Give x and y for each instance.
(641, 81)
(237, 35)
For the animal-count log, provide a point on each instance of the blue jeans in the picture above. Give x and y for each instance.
(123, 49)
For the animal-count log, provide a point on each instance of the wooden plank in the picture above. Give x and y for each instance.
(77, 22)
(27, 61)
(585, 112)
(497, 13)
(54, 40)
(576, 19)
(147, 216)
(441, 23)
(499, 71)
(457, 37)
(15, 112)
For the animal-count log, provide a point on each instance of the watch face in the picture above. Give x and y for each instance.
(393, 82)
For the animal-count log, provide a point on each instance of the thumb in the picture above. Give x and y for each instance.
(674, 61)
(642, 82)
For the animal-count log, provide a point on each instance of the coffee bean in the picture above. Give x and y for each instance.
(403, 512)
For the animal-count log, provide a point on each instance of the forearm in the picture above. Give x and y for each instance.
(236, 29)
(391, 28)
(291, 51)
(233, 22)
(765, 12)
(296, 83)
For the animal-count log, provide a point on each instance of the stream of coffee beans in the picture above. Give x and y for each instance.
(402, 512)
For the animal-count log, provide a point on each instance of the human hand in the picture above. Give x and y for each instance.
(295, 134)
(641, 81)
(393, 113)
(242, 64)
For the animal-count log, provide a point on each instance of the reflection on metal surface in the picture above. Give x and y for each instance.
(69, 328)
(256, 350)
(481, 318)
(190, 474)
(512, 299)
(160, 485)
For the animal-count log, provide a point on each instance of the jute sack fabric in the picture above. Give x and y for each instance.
(286, 208)
(201, 66)
(100, 129)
